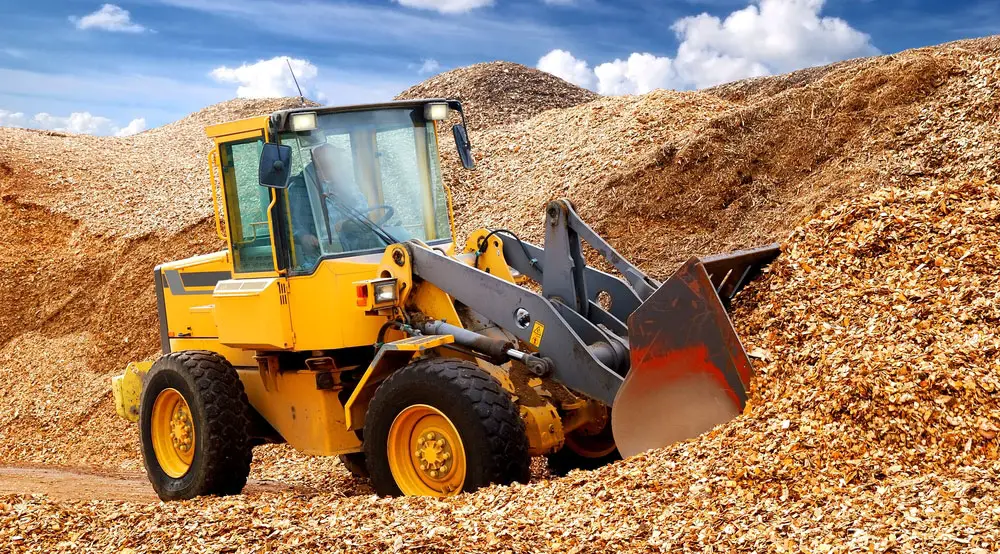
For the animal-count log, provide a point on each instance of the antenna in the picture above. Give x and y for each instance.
(302, 100)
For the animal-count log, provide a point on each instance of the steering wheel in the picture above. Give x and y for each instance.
(386, 215)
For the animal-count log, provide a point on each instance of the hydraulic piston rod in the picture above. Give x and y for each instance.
(497, 349)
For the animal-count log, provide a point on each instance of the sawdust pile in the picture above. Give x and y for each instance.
(83, 220)
(872, 426)
(151, 182)
(669, 174)
(497, 93)
(873, 420)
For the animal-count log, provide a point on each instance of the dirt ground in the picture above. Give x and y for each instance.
(88, 484)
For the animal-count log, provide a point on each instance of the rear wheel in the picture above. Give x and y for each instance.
(355, 464)
(441, 426)
(194, 421)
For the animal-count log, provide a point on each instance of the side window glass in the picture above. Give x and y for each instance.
(247, 202)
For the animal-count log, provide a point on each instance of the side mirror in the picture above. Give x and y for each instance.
(464, 148)
(275, 165)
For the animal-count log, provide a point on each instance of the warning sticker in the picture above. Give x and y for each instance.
(536, 334)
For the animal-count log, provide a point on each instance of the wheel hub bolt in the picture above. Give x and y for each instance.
(180, 430)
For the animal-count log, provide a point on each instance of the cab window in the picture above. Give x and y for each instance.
(246, 204)
(361, 181)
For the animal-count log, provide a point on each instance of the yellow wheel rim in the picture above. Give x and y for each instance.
(425, 453)
(172, 431)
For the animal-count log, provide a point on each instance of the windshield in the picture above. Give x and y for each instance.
(361, 181)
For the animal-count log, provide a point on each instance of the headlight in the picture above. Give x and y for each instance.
(303, 122)
(385, 291)
(436, 111)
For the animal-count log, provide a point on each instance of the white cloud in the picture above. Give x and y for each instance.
(134, 127)
(446, 6)
(428, 66)
(76, 122)
(12, 119)
(109, 18)
(268, 78)
(564, 65)
(776, 35)
(640, 74)
(766, 37)
(13, 52)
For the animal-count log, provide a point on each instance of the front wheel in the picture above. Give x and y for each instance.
(194, 419)
(440, 426)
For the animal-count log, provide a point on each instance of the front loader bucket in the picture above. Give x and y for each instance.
(689, 371)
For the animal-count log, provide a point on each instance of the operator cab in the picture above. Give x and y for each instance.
(351, 181)
(312, 199)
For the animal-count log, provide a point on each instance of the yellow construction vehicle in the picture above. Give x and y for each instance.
(344, 319)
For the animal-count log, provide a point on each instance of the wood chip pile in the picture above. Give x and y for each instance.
(497, 93)
(83, 220)
(668, 174)
(124, 187)
(874, 417)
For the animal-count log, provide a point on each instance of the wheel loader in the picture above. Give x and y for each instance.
(346, 319)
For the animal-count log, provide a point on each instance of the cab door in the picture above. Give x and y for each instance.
(251, 310)
(247, 207)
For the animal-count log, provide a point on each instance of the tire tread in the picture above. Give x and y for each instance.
(227, 451)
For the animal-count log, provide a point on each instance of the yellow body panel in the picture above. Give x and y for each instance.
(323, 305)
(255, 124)
(187, 293)
(127, 389)
(253, 314)
(491, 260)
(310, 419)
(544, 429)
(434, 303)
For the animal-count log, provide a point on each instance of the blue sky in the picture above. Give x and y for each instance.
(157, 60)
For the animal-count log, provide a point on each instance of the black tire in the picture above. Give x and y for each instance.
(355, 464)
(220, 414)
(574, 454)
(483, 413)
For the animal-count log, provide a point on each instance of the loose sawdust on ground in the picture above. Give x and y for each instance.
(874, 417)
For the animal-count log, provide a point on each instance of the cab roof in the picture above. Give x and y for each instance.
(261, 122)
